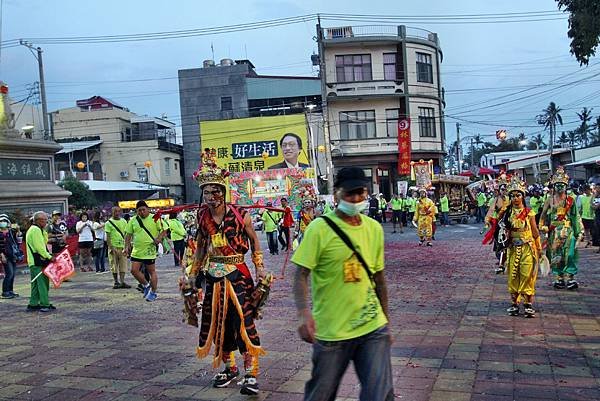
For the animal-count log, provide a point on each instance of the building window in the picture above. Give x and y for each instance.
(142, 174)
(426, 122)
(167, 166)
(391, 119)
(352, 68)
(226, 103)
(424, 68)
(357, 124)
(389, 67)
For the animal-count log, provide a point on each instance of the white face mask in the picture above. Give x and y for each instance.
(351, 209)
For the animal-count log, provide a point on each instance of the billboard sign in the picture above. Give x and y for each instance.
(258, 143)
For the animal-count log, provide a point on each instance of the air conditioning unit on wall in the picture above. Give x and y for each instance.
(124, 174)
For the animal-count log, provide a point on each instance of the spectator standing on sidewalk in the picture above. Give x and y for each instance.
(9, 253)
(99, 251)
(397, 204)
(343, 254)
(57, 233)
(587, 214)
(115, 237)
(481, 208)
(444, 208)
(143, 234)
(85, 242)
(38, 257)
(177, 234)
(270, 220)
(383, 205)
(596, 207)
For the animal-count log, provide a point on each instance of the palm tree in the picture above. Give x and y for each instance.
(549, 117)
(539, 140)
(595, 136)
(585, 116)
(563, 140)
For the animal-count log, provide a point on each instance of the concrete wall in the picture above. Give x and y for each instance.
(375, 50)
(74, 123)
(200, 92)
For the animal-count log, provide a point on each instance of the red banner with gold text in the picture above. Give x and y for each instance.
(404, 154)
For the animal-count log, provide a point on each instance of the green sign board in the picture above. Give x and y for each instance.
(24, 169)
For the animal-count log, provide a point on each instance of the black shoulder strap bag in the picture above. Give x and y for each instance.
(141, 223)
(344, 237)
(120, 232)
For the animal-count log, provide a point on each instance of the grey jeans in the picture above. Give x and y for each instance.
(371, 356)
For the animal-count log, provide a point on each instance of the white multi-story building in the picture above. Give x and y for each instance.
(104, 141)
(372, 76)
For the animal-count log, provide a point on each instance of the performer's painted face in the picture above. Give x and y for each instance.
(213, 195)
(516, 198)
(422, 194)
(560, 187)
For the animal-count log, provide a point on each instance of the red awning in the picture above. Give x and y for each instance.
(482, 171)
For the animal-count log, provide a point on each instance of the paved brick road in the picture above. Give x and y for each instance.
(453, 341)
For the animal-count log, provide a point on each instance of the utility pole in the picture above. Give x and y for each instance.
(323, 76)
(472, 152)
(42, 85)
(458, 148)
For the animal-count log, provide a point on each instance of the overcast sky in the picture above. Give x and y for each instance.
(483, 63)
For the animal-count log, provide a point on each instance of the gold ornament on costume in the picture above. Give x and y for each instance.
(516, 184)
(503, 179)
(209, 172)
(559, 176)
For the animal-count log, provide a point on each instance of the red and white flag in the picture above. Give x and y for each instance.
(61, 269)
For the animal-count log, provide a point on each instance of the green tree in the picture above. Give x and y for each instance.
(595, 134)
(563, 140)
(539, 140)
(81, 196)
(549, 117)
(584, 27)
(584, 128)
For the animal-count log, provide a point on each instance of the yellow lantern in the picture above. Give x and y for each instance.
(265, 155)
(147, 164)
(321, 148)
(80, 165)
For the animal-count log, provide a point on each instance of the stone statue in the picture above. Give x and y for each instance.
(7, 117)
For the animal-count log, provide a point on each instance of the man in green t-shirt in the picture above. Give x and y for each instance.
(410, 205)
(587, 214)
(36, 241)
(115, 232)
(146, 234)
(177, 234)
(271, 220)
(444, 208)
(349, 317)
(481, 209)
(396, 203)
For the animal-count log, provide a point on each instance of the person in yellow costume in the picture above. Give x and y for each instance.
(524, 249)
(424, 215)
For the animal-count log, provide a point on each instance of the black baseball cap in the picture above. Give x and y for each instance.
(349, 178)
(141, 204)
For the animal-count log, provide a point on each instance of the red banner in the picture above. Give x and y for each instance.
(404, 146)
(61, 269)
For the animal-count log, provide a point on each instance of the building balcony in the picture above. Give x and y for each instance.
(347, 90)
(377, 33)
(368, 146)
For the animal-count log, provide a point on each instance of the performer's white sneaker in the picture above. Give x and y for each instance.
(249, 385)
(224, 378)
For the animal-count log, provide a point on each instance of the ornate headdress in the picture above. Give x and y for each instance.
(559, 176)
(516, 184)
(209, 172)
(503, 179)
